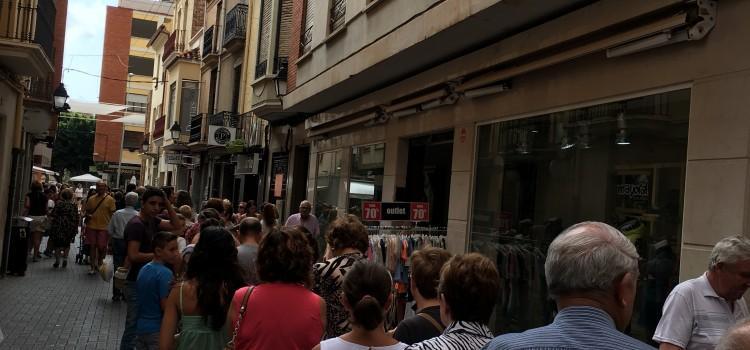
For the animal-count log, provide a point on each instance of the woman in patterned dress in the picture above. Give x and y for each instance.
(64, 227)
(347, 242)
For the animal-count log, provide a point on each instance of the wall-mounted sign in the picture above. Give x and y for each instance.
(220, 135)
(173, 158)
(395, 211)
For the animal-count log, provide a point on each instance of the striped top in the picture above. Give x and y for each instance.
(575, 327)
(458, 335)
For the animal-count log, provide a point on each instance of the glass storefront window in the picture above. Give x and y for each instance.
(328, 199)
(366, 176)
(621, 163)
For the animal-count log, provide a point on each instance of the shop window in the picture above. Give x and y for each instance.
(621, 163)
(328, 194)
(366, 177)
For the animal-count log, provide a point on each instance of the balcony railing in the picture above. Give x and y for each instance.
(338, 14)
(159, 127)
(235, 24)
(208, 41)
(39, 88)
(29, 24)
(261, 69)
(224, 119)
(196, 127)
(174, 44)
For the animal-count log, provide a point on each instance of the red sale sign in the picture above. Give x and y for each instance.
(420, 211)
(371, 211)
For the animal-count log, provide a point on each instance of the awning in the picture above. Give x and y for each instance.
(94, 107)
(44, 171)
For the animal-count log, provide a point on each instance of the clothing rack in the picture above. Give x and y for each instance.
(408, 230)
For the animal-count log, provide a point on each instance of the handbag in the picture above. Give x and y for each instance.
(243, 308)
(89, 215)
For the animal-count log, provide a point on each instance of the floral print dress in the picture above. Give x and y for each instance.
(64, 225)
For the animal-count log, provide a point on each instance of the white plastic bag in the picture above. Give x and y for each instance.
(106, 270)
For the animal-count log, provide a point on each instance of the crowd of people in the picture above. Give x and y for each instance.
(220, 278)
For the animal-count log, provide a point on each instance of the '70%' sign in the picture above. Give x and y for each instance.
(395, 211)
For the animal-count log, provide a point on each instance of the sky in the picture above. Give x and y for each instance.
(84, 39)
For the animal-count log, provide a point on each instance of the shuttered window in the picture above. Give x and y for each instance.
(338, 14)
(307, 27)
(264, 38)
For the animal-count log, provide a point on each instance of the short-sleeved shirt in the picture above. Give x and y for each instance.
(311, 223)
(417, 328)
(151, 287)
(100, 218)
(247, 256)
(695, 317)
(138, 230)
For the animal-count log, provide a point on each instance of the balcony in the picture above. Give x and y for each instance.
(235, 27)
(159, 127)
(200, 122)
(209, 50)
(26, 35)
(169, 46)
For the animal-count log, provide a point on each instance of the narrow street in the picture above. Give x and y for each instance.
(59, 309)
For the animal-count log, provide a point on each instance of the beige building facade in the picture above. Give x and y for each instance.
(633, 114)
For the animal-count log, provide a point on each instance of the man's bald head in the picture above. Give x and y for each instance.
(737, 338)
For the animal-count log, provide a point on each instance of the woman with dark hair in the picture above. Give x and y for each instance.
(183, 198)
(199, 304)
(35, 206)
(310, 240)
(367, 295)
(64, 227)
(347, 241)
(269, 221)
(281, 312)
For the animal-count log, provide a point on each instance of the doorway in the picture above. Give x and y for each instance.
(299, 176)
(428, 175)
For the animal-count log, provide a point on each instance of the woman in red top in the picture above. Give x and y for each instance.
(281, 312)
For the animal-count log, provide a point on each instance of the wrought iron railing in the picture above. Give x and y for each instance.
(196, 127)
(261, 69)
(29, 23)
(338, 14)
(39, 88)
(224, 119)
(235, 24)
(208, 41)
(159, 127)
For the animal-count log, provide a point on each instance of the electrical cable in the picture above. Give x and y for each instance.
(118, 79)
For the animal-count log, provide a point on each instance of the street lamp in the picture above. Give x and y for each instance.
(174, 130)
(60, 97)
(145, 145)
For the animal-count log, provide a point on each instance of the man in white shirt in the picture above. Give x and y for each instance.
(699, 311)
(116, 231)
(304, 218)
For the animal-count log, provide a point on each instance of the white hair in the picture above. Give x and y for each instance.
(737, 338)
(131, 199)
(729, 251)
(588, 256)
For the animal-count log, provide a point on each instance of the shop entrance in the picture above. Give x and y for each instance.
(299, 176)
(428, 175)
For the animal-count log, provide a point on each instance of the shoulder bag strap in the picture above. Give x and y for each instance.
(240, 316)
(100, 203)
(432, 320)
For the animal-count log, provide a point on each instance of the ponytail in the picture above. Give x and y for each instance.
(368, 312)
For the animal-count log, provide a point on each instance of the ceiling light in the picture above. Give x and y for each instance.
(487, 90)
(565, 142)
(622, 138)
(523, 142)
(583, 136)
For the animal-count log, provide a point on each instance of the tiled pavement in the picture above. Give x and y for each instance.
(59, 309)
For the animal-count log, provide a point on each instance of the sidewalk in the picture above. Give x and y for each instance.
(59, 309)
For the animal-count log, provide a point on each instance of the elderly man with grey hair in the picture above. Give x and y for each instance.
(699, 311)
(592, 272)
(117, 234)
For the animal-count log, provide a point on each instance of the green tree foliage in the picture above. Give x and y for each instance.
(74, 144)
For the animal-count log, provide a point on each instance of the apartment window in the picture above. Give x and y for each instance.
(141, 65)
(264, 38)
(132, 139)
(136, 103)
(236, 89)
(188, 103)
(212, 91)
(338, 14)
(172, 103)
(142, 28)
(305, 43)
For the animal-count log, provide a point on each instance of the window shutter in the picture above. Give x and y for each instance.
(338, 14)
(306, 39)
(264, 37)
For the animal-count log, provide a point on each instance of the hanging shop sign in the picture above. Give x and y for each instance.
(395, 211)
(220, 135)
(173, 158)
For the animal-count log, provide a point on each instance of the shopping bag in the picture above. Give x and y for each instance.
(106, 270)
